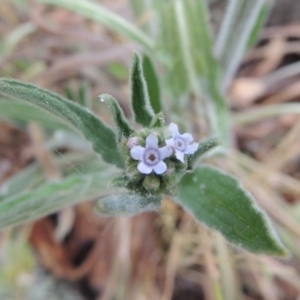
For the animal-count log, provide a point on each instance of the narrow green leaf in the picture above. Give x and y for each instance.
(126, 204)
(98, 13)
(101, 136)
(260, 22)
(158, 121)
(241, 22)
(263, 112)
(139, 7)
(27, 178)
(12, 40)
(203, 148)
(152, 80)
(123, 127)
(34, 175)
(143, 112)
(141, 10)
(208, 69)
(51, 197)
(192, 71)
(79, 93)
(70, 93)
(20, 112)
(218, 200)
(230, 16)
(118, 70)
(220, 114)
(66, 139)
(85, 95)
(170, 50)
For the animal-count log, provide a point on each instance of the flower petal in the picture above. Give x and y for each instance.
(174, 130)
(179, 155)
(187, 137)
(144, 169)
(152, 141)
(165, 152)
(137, 152)
(160, 168)
(191, 149)
(170, 142)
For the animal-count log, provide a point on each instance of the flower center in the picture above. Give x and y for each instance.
(180, 144)
(151, 157)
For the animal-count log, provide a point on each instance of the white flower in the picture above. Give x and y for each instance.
(151, 157)
(181, 143)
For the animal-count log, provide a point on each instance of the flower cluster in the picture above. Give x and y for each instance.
(155, 162)
(151, 156)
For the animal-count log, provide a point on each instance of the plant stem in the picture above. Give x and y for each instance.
(283, 73)
(267, 111)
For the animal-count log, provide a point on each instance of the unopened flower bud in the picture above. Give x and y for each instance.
(151, 183)
(133, 141)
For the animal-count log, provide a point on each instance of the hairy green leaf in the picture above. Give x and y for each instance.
(94, 130)
(152, 80)
(123, 127)
(126, 204)
(34, 175)
(27, 178)
(203, 148)
(52, 196)
(20, 112)
(218, 200)
(143, 112)
(100, 14)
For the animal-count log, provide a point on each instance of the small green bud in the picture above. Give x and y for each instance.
(171, 180)
(158, 121)
(133, 141)
(155, 165)
(133, 174)
(120, 181)
(152, 183)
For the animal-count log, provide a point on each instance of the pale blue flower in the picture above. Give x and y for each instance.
(151, 156)
(181, 143)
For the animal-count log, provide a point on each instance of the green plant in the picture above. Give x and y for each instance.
(146, 163)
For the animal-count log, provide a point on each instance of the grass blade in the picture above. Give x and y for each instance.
(51, 197)
(238, 30)
(102, 15)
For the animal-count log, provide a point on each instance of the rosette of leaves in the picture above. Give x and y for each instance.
(212, 196)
